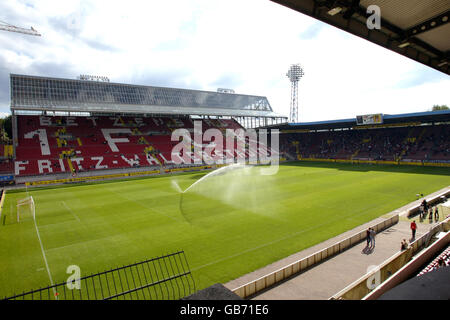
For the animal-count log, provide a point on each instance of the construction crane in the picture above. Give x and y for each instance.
(8, 27)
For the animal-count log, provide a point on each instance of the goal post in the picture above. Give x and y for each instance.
(2, 201)
(26, 209)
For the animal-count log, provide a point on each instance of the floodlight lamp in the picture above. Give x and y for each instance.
(404, 44)
(295, 72)
(335, 11)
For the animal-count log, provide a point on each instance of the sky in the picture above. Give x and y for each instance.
(247, 46)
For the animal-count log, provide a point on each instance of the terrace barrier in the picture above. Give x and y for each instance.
(253, 287)
(357, 161)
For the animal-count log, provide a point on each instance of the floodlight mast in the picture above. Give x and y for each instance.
(8, 27)
(294, 74)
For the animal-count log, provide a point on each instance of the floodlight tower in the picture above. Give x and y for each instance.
(294, 74)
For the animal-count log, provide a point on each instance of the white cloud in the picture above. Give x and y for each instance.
(199, 44)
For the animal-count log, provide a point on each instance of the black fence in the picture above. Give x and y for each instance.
(163, 278)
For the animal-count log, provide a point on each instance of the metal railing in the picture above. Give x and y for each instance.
(163, 278)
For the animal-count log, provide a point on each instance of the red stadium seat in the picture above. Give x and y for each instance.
(61, 144)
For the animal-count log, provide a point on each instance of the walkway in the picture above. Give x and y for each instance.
(326, 279)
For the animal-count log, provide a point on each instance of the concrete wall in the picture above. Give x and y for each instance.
(279, 275)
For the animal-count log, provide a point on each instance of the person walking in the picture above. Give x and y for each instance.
(436, 214)
(425, 205)
(413, 229)
(368, 237)
(372, 237)
(430, 216)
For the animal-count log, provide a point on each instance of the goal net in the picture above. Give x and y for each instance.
(26, 209)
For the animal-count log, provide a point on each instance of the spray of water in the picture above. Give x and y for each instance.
(176, 186)
(235, 187)
(216, 172)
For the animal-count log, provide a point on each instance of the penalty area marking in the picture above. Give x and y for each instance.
(70, 210)
(145, 206)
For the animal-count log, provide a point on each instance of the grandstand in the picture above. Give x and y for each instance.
(415, 138)
(98, 143)
(64, 126)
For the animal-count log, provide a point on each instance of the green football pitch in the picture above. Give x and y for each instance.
(228, 224)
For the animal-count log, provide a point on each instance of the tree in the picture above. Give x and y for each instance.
(7, 126)
(437, 107)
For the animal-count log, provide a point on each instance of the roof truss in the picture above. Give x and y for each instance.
(405, 41)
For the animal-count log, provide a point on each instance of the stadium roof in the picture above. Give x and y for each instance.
(405, 118)
(417, 29)
(34, 93)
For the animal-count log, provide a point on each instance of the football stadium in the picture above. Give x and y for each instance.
(122, 191)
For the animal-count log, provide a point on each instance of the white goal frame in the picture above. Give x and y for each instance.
(24, 202)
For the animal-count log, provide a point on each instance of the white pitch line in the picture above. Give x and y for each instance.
(52, 224)
(70, 210)
(45, 259)
(145, 206)
(80, 242)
